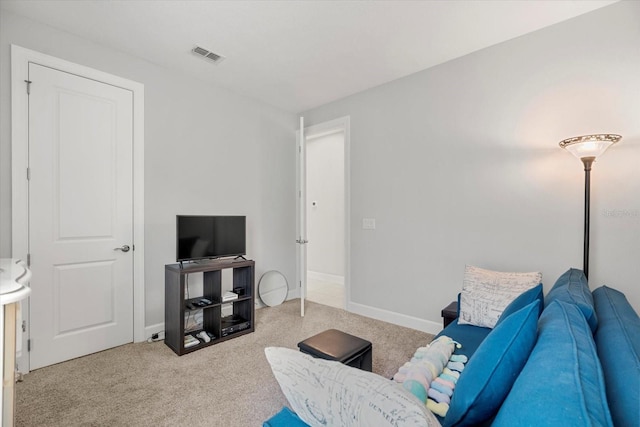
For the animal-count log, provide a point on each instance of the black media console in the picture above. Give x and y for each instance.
(216, 327)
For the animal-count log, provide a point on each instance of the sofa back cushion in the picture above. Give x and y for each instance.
(572, 287)
(489, 375)
(562, 382)
(618, 342)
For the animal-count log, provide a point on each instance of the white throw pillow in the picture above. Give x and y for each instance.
(327, 393)
(485, 294)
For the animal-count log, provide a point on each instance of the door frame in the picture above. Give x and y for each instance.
(301, 215)
(342, 124)
(20, 59)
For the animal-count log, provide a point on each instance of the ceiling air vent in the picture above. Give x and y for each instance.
(207, 54)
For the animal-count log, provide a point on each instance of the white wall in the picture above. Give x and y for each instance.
(207, 151)
(460, 164)
(325, 187)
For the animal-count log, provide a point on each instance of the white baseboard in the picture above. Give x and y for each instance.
(399, 319)
(293, 294)
(325, 277)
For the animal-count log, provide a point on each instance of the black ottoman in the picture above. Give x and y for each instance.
(333, 344)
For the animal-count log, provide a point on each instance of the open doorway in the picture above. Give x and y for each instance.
(326, 214)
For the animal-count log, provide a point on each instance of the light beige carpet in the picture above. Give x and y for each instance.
(229, 384)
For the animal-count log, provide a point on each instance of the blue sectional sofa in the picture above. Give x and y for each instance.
(583, 370)
(571, 358)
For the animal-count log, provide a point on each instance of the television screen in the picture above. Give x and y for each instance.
(201, 237)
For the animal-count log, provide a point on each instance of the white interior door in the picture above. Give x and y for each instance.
(80, 215)
(301, 216)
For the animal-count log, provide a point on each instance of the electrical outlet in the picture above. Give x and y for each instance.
(368, 223)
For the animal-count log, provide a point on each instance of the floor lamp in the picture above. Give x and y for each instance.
(587, 148)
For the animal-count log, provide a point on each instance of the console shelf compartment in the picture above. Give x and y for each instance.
(175, 305)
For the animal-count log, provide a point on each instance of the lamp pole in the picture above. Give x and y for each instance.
(587, 148)
(587, 161)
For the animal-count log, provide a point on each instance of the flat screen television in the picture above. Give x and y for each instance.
(205, 237)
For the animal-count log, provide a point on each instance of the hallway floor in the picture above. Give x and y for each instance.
(327, 293)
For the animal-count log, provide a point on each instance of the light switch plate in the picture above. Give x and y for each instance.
(368, 223)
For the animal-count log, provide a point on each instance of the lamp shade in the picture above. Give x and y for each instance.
(589, 146)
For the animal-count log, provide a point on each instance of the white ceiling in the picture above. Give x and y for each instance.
(298, 55)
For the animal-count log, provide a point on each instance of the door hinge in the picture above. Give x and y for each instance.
(28, 260)
(24, 326)
(28, 174)
(29, 344)
(28, 82)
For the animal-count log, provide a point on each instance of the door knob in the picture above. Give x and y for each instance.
(123, 248)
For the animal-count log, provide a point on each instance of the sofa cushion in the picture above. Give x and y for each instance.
(285, 418)
(524, 299)
(562, 383)
(489, 375)
(325, 392)
(618, 342)
(485, 294)
(572, 287)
